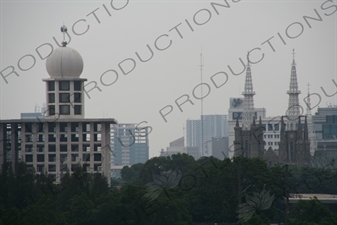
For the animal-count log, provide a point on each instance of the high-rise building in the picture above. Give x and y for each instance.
(325, 128)
(63, 139)
(199, 132)
(312, 135)
(129, 144)
(219, 147)
(176, 146)
(193, 133)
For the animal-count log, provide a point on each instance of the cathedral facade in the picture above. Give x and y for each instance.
(294, 145)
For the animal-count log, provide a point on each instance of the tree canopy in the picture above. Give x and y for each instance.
(168, 190)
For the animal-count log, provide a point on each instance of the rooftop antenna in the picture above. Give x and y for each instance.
(293, 56)
(64, 30)
(202, 105)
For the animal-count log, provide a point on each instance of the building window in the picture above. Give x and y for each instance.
(51, 110)
(74, 167)
(97, 137)
(85, 127)
(64, 97)
(29, 148)
(63, 138)
(75, 158)
(97, 167)
(51, 158)
(51, 127)
(40, 148)
(64, 109)
(77, 97)
(78, 110)
(86, 137)
(77, 85)
(29, 158)
(74, 127)
(97, 157)
(270, 127)
(29, 138)
(40, 168)
(74, 137)
(63, 158)
(97, 127)
(40, 158)
(86, 148)
(74, 148)
(63, 148)
(51, 168)
(63, 127)
(51, 86)
(277, 127)
(51, 137)
(39, 138)
(64, 85)
(86, 157)
(51, 98)
(29, 127)
(51, 148)
(39, 127)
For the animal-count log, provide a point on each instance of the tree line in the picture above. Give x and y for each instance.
(169, 190)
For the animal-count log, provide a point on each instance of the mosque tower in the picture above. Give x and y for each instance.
(64, 88)
(293, 111)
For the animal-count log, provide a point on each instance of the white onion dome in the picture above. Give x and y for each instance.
(64, 62)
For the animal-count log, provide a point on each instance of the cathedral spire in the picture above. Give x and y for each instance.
(248, 102)
(311, 131)
(293, 111)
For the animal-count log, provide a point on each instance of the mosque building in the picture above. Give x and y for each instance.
(64, 139)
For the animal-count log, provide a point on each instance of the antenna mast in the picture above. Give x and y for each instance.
(202, 105)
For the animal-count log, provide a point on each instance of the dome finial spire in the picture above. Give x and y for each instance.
(64, 30)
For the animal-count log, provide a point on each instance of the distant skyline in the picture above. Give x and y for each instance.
(114, 37)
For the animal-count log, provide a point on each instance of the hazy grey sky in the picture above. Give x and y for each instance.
(224, 34)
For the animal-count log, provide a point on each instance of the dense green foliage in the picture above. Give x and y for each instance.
(312, 212)
(168, 190)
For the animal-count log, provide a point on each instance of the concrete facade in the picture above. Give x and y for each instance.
(62, 139)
